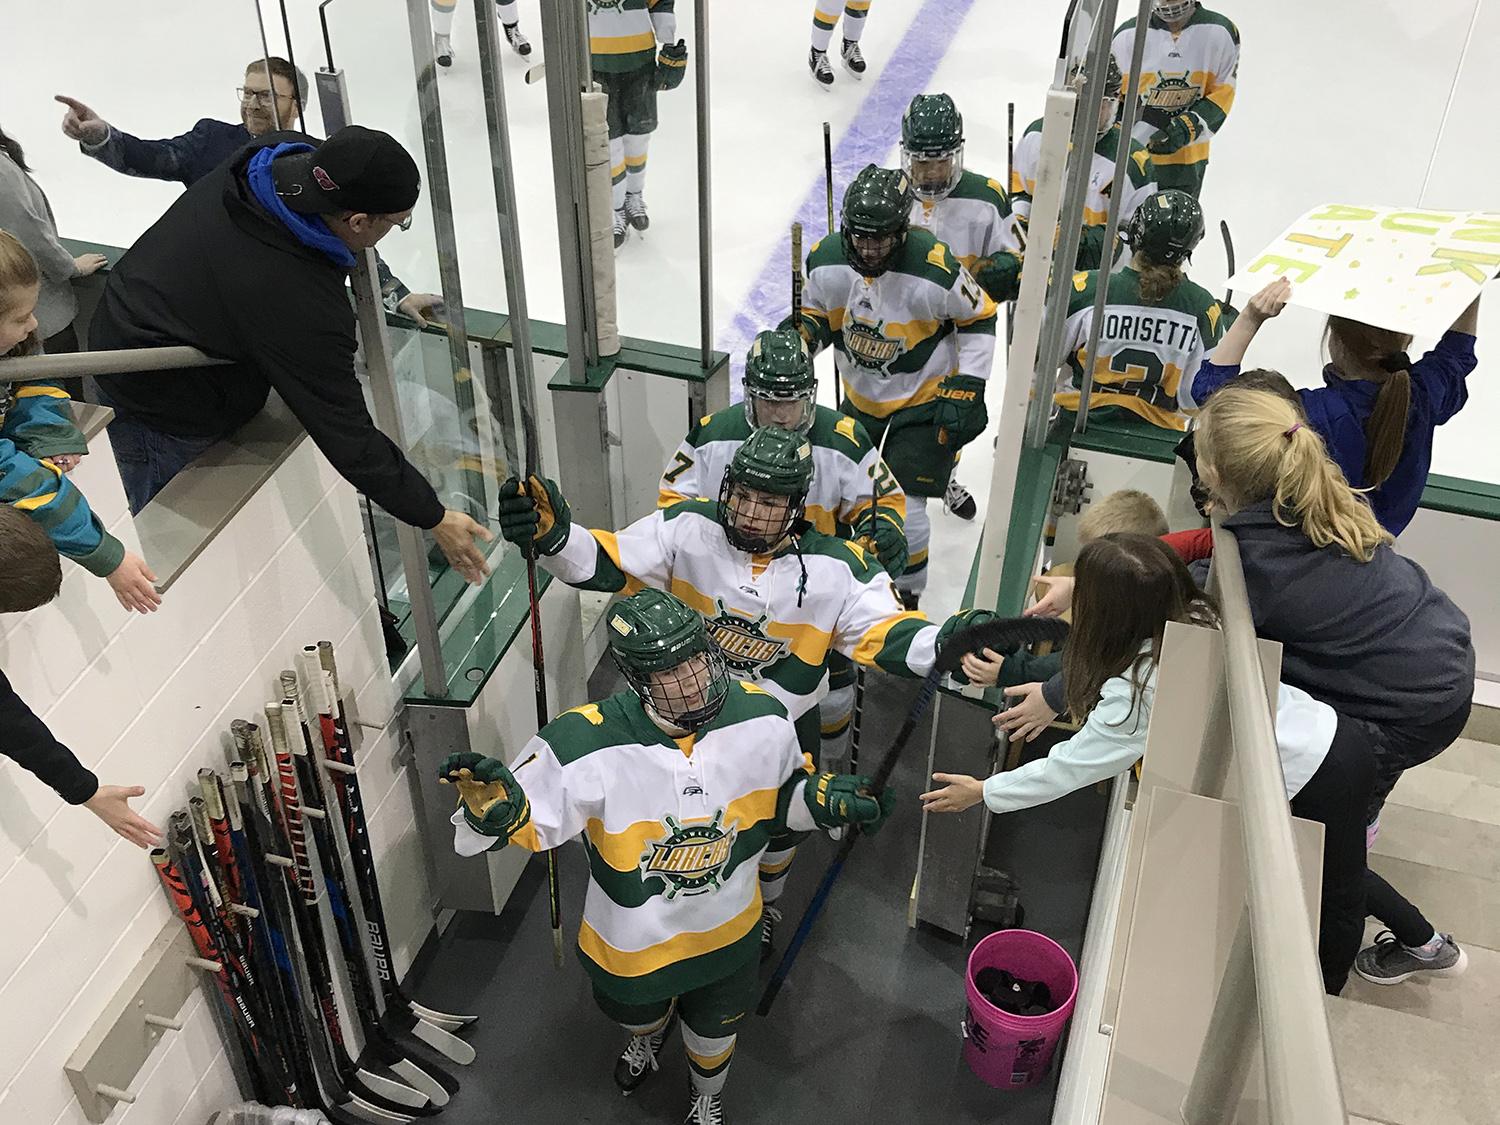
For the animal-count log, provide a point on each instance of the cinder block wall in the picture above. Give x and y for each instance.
(148, 700)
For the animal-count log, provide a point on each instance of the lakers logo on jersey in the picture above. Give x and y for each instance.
(692, 859)
(604, 5)
(746, 647)
(1172, 93)
(869, 347)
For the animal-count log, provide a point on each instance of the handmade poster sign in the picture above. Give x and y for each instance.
(1409, 270)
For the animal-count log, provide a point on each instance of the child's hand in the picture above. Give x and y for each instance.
(132, 583)
(65, 462)
(959, 792)
(1269, 301)
(1028, 716)
(983, 670)
(1056, 601)
(111, 804)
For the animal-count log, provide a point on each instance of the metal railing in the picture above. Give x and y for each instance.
(75, 365)
(1277, 967)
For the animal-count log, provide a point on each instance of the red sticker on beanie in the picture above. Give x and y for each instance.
(325, 181)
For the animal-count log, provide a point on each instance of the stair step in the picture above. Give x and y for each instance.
(1436, 788)
(1400, 1068)
(1471, 1001)
(1480, 760)
(1457, 843)
(1464, 905)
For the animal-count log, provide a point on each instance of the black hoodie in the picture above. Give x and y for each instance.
(220, 273)
(1373, 640)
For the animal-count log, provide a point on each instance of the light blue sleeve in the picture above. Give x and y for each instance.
(1112, 740)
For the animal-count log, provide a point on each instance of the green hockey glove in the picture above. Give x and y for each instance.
(963, 619)
(1091, 254)
(999, 276)
(493, 802)
(1176, 134)
(961, 415)
(671, 65)
(884, 537)
(534, 512)
(836, 799)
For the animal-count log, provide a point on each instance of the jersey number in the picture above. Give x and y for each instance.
(682, 462)
(881, 474)
(1136, 370)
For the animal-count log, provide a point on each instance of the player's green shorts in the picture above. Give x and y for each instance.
(632, 100)
(714, 1010)
(920, 462)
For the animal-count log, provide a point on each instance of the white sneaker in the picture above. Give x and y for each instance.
(442, 47)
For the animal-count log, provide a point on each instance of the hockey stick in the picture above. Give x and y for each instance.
(352, 804)
(828, 171)
(1010, 179)
(797, 276)
(856, 719)
(1228, 258)
(1001, 633)
(393, 1037)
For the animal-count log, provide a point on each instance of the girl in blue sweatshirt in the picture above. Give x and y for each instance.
(1378, 408)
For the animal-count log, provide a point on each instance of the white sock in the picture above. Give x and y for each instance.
(1429, 950)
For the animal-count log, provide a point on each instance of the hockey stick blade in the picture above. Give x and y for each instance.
(535, 73)
(441, 1018)
(444, 1043)
(1005, 633)
(399, 1028)
(1228, 258)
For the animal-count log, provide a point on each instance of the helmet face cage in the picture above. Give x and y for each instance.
(1170, 11)
(754, 520)
(688, 695)
(873, 252)
(795, 412)
(933, 174)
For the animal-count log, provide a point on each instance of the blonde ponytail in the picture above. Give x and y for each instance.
(1256, 447)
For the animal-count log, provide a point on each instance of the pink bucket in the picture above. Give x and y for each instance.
(1007, 1051)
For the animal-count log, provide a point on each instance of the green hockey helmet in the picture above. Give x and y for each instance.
(1166, 227)
(932, 146)
(663, 648)
(781, 387)
(875, 218)
(764, 492)
(1114, 85)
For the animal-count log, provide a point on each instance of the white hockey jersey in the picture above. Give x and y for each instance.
(776, 617)
(848, 473)
(1189, 71)
(900, 334)
(973, 220)
(1101, 180)
(674, 829)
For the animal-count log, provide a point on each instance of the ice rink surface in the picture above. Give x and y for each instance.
(1360, 101)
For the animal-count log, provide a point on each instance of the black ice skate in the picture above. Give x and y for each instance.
(822, 70)
(854, 59)
(622, 228)
(959, 501)
(706, 1110)
(518, 42)
(639, 1058)
(635, 210)
(442, 48)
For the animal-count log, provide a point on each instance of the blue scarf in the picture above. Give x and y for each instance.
(310, 230)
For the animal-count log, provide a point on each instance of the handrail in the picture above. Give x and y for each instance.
(74, 365)
(1301, 1074)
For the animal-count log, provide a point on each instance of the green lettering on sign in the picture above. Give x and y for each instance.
(1339, 212)
(1331, 245)
(1285, 265)
(1467, 262)
(1480, 230)
(1416, 222)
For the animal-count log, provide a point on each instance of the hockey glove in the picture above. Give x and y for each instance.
(493, 802)
(999, 276)
(884, 537)
(961, 415)
(1176, 134)
(534, 512)
(671, 65)
(836, 799)
(1091, 254)
(963, 619)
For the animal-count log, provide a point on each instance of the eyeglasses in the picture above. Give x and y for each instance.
(262, 99)
(403, 224)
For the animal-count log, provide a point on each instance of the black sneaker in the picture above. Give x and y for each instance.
(822, 70)
(1390, 962)
(854, 59)
(705, 1110)
(518, 42)
(957, 500)
(769, 918)
(639, 1058)
(635, 210)
(622, 228)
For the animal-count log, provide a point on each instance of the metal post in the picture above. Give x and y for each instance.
(565, 40)
(705, 190)
(265, 58)
(1112, 223)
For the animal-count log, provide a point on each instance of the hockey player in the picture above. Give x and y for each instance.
(676, 786)
(1186, 86)
(1158, 325)
(1091, 250)
(964, 210)
(778, 596)
(915, 335)
(825, 16)
(442, 28)
(623, 40)
(853, 494)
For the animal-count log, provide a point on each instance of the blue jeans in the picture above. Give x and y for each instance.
(148, 458)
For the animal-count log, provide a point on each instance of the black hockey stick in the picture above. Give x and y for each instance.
(828, 171)
(1228, 258)
(797, 276)
(1010, 179)
(358, 829)
(1003, 633)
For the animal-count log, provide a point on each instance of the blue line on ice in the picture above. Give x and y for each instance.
(875, 131)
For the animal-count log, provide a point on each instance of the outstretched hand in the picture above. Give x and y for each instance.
(111, 804)
(959, 792)
(1269, 301)
(1057, 600)
(1028, 716)
(456, 535)
(81, 123)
